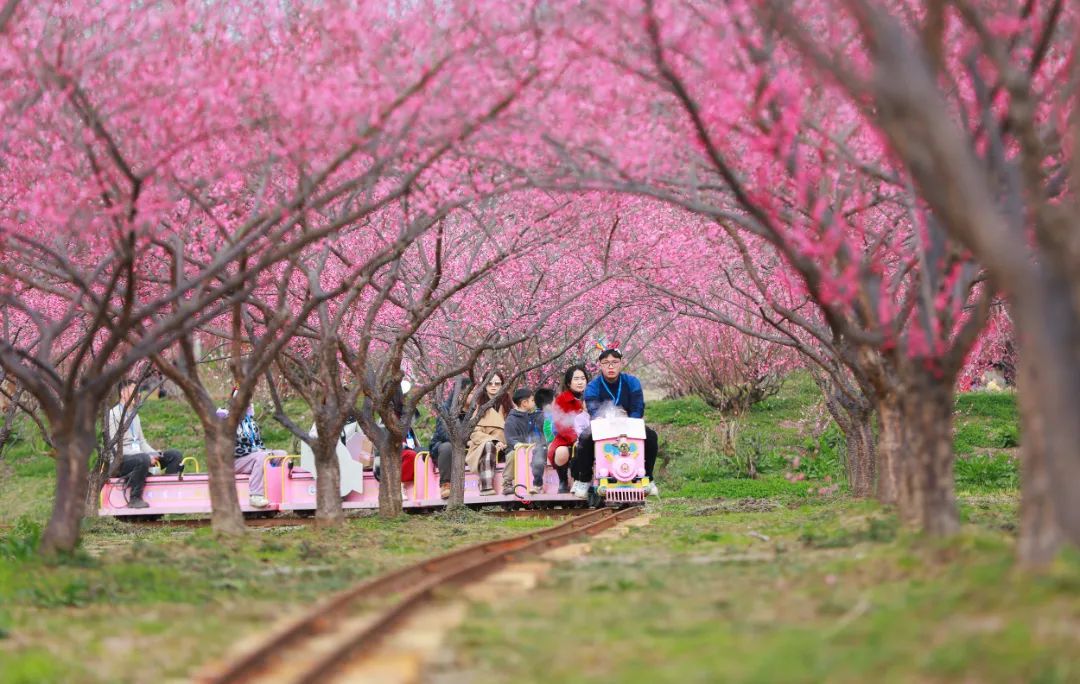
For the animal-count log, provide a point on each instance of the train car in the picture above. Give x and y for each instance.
(290, 487)
(619, 462)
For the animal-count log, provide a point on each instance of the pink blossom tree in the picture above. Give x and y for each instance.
(977, 102)
(741, 134)
(147, 197)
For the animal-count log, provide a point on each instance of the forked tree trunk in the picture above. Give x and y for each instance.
(328, 510)
(226, 517)
(74, 440)
(1040, 534)
(927, 495)
(889, 444)
(390, 479)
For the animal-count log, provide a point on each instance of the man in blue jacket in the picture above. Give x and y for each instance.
(611, 387)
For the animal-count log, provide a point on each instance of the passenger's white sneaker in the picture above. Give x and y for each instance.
(580, 490)
(257, 501)
(652, 490)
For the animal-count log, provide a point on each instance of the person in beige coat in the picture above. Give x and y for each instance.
(488, 440)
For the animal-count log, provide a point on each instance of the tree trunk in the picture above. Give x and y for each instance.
(927, 496)
(74, 443)
(226, 517)
(328, 510)
(853, 418)
(861, 463)
(457, 476)
(1040, 535)
(890, 442)
(99, 473)
(1048, 327)
(390, 480)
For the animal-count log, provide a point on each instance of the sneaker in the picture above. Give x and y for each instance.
(487, 492)
(652, 490)
(444, 491)
(257, 501)
(536, 489)
(580, 490)
(564, 487)
(137, 503)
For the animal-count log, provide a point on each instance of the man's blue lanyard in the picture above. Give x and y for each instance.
(614, 397)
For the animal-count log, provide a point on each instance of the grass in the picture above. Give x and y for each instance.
(697, 461)
(185, 595)
(800, 593)
(745, 579)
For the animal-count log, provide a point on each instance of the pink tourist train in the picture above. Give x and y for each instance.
(289, 487)
(619, 467)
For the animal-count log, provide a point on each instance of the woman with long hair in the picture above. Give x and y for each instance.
(566, 408)
(488, 440)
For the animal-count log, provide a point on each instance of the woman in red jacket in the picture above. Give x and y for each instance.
(567, 406)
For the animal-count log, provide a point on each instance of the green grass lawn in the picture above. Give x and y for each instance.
(143, 605)
(835, 591)
(794, 424)
(813, 592)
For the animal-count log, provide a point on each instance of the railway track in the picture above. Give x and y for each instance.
(286, 521)
(341, 629)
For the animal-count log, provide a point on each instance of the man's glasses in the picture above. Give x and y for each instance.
(610, 363)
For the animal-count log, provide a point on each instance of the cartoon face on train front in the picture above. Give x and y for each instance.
(622, 459)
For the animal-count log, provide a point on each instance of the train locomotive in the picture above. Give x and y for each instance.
(619, 462)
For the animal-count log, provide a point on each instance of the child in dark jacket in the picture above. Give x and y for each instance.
(525, 425)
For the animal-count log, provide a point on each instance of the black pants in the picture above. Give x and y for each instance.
(582, 465)
(135, 467)
(444, 459)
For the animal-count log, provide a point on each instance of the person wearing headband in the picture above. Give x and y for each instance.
(611, 388)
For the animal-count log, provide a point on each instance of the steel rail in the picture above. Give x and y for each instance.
(413, 585)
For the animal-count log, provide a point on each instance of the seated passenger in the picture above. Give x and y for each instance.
(251, 454)
(544, 396)
(136, 456)
(615, 388)
(350, 465)
(567, 407)
(488, 440)
(525, 425)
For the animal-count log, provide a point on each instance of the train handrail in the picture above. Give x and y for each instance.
(284, 458)
(183, 462)
(422, 457)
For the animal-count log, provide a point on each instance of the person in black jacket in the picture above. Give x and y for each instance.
(525, 425)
